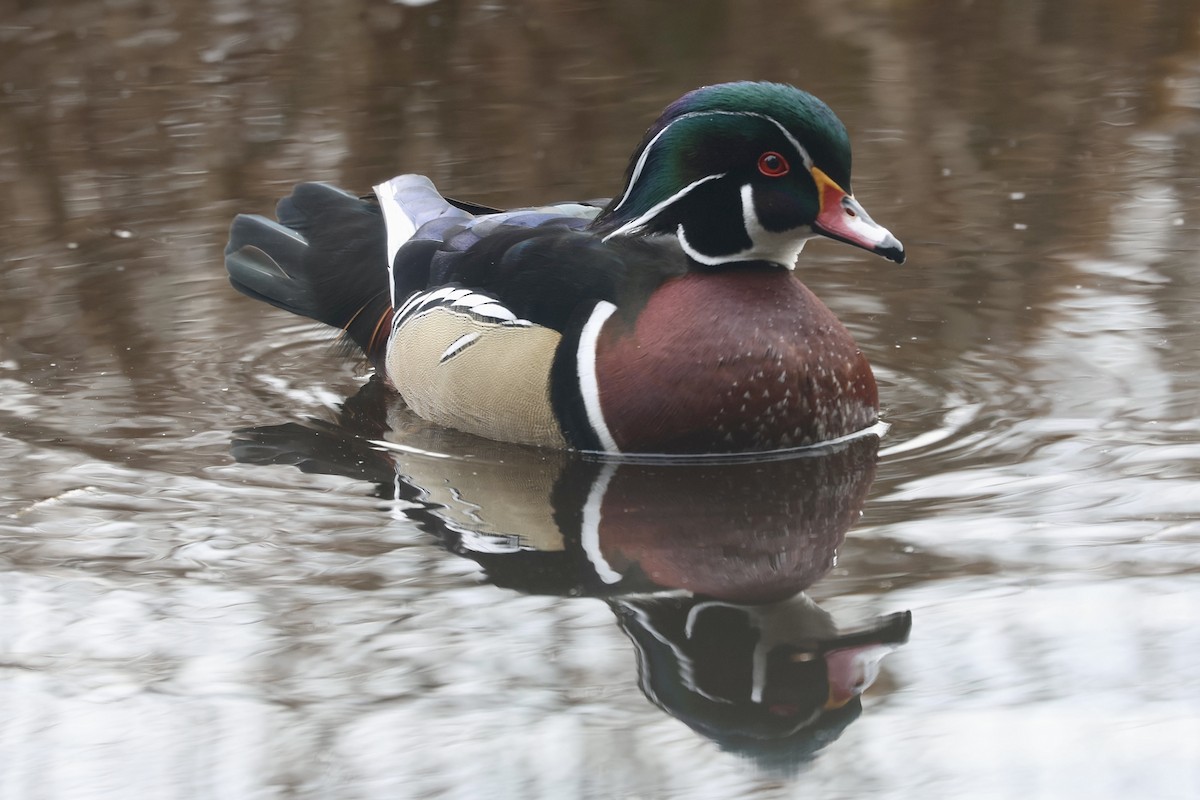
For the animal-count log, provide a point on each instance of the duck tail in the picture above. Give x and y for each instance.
(326, 259)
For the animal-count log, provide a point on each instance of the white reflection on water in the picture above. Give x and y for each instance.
(1084, 684)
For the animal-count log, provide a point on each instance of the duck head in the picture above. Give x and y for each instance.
(745, 172)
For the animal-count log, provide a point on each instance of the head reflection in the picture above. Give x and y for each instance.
(703, 564)
(774, 682)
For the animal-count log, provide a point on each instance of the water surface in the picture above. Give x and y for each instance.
(213, 585)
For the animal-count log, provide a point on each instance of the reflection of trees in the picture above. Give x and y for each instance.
(165, 118)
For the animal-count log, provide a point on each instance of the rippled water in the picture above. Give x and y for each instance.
(231, 567)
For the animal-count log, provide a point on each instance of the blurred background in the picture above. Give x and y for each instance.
(181, 616)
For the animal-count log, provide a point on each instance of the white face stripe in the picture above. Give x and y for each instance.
(641, 162)
(654, 210)
(585, 366)
(804, 156)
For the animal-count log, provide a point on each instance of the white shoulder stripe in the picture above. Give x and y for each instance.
(585, 365)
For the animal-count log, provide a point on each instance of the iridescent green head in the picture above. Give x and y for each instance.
(745, 172)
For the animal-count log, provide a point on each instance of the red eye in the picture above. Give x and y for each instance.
(772, 164)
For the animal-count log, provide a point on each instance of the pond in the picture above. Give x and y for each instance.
(232, 565)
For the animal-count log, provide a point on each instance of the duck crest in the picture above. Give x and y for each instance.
(664, 320)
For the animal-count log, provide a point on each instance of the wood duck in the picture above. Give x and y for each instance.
(665, 320)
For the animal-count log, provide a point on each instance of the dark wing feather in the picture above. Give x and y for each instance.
(546, 272)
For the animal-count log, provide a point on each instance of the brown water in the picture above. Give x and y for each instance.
(185, 614)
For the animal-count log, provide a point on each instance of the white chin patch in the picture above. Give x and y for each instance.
(783, 247)
(779, 248)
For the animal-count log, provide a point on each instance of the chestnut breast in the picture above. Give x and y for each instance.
(732, 361)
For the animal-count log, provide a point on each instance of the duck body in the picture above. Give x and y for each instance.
(666, 320)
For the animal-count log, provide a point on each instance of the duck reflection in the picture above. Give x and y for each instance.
(704, 564)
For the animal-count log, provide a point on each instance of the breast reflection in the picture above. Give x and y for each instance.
(704, 564)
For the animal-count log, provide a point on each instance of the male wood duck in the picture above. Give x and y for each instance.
(665, 320)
